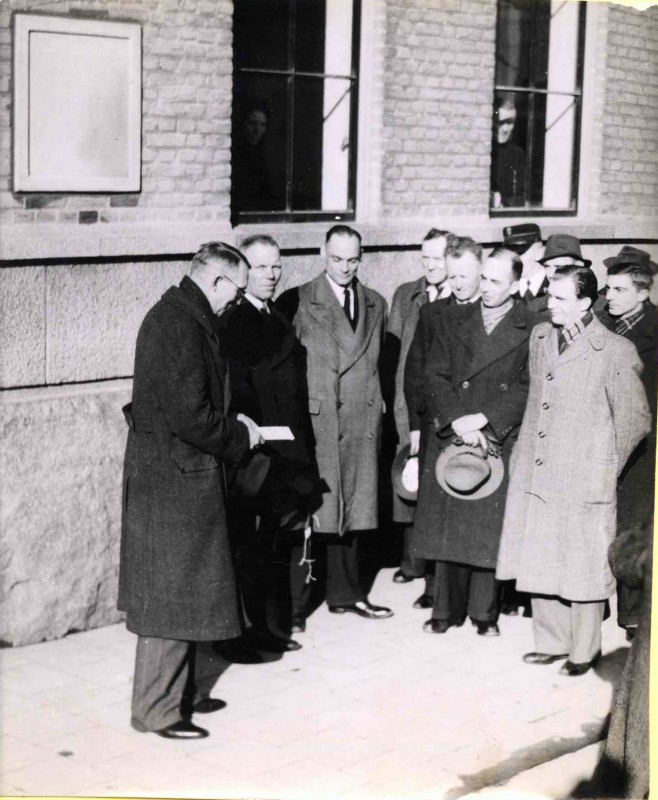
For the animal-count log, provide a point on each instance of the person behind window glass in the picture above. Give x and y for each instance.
(508, 160)
(251, 185)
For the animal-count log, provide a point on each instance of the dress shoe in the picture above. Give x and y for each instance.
(441, 625)
(400, 577)
(631, 630)
(543, 658)
(573, 670)
(297, 623)
(208, 705)
(487, 628)
(270, 642)
(237, 651)
(509, 609)
(183, 729)
(364, 608)
(424, 601)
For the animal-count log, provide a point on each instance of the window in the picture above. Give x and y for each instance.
(294, 109)
(537, 107)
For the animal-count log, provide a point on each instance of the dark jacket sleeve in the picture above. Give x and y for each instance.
(288, 303)
(186, 397)
(414, 370)
(443, 403)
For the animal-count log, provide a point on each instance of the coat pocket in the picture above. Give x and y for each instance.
(314, 405)
(190, 459)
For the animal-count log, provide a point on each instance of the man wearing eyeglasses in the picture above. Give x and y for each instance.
(176, 579)
(341, 324)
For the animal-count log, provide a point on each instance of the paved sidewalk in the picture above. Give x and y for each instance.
(366, 709)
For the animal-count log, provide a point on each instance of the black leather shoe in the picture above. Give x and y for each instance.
(509, 609)
(208, 705)
(441, 625)
(183, 729)
(573, 670)
(400, 577)
(270, 642)
(543, 658)
(237, 651)
(297, 623)
(424, 601)
(365, 609)
(487, 628)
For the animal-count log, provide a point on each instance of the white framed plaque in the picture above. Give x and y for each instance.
(76, 105)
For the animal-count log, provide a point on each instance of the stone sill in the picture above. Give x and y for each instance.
(32, 241)
(39, 394)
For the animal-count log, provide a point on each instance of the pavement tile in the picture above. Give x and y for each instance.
(94, 746)
(55, 653)
(47, 723)
(247, 756)
(397, 773)
(116, 715)
(80, 696)
(58, 775)
(338, 751)
(113, 671)
(30, 679)
(210, 783)
(151, 767)
(12, 704)
(16, 754)
(274, 727)
(307, 780)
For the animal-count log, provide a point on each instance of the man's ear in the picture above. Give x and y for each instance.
(585, 303)
(514, 287)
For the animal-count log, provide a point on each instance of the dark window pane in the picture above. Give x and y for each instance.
(307, 144)
(259, 140)
(513, 40)
(310, 35)
(261, 33)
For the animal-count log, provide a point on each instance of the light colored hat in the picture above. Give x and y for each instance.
(405, 474)
(465, 472)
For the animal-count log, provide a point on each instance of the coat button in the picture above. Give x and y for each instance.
(541, 434)
(371, 402)
(538, 462)
(371, 436)
(545, 406)
(504, 387)
(339, 404)
(466, 384)
(549, 377)
(340, 437)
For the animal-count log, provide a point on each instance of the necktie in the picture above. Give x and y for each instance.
(347, 305)
(264, 310)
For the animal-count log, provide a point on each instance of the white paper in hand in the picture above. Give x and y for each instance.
(276, 433)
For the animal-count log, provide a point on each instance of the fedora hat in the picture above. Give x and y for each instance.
(563, 244)
(404, 474)
(519, 237)
(632, 256)
(465, 472)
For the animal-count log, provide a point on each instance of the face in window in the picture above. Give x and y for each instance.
(342, 258)
(433, 259)
(464, 275)
(564, 307)
(497, 283)
(623, 295)
(255, 127)
(265, 272)
(505, 121)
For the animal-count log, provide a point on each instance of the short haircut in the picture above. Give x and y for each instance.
(210, 252)
(435, 233)
(641, 277)
(458, 245)
(583, 278)
(257, 105)
(342, 230)
(258, 238)
(514, 259)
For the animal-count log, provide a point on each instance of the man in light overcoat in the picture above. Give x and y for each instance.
(341, 324)
(587, 411)
(176, 579)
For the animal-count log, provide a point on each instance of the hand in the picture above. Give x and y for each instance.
(255, 437)
(469, 423)
(414, 443)
(475, 439)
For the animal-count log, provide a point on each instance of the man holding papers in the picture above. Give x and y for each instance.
(276, 489)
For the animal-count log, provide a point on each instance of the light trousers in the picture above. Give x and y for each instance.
(561, 626)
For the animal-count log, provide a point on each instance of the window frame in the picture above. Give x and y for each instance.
(307, 215)
(578, 96)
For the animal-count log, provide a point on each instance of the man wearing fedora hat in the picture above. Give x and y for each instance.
(629, 312)
(475, 391)
(586, 412)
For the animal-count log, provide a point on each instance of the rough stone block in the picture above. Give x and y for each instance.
(60, 509)
(22, 326)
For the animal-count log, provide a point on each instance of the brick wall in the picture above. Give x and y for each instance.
(629, 174)
(186, 115)
(438, 99)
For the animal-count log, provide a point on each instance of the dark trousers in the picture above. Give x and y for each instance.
(415, 567)
(461, 590)
(336, 557)
(628, 605)
(162, 683)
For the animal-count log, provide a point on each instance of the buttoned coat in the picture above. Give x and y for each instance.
(586, 412)
(176, 575)
(467, 372)
(345, 398)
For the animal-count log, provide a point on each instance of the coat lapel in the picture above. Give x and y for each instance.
(325, 309)
(368, 317)
(592, 336)
(289, 339)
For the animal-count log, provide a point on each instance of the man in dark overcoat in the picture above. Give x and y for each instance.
(341, 324)
(267, 369)
(176, 576)
(475, 390)
(629, 312)
(408, 300)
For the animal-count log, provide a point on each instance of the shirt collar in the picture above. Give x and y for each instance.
(577, 328)
(337, 289)
(259, 305)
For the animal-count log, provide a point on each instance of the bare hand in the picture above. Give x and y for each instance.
(255, 437)
(475, 439)
(469, 423)
(414, 443)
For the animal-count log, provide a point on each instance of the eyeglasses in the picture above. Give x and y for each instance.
(239, 293)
